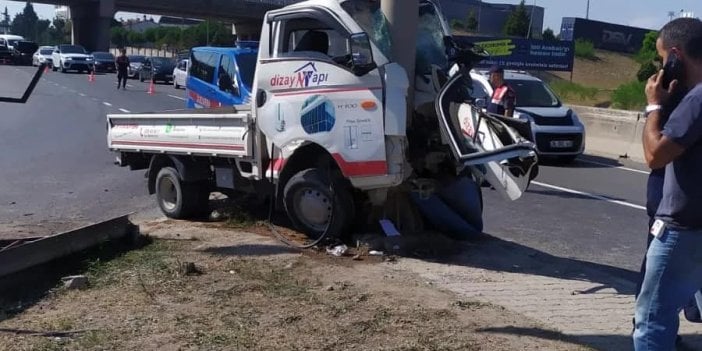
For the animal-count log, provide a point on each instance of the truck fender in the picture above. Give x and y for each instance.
(189, 170)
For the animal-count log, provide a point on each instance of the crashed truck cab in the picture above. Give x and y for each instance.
(347, 99)
(329, 133)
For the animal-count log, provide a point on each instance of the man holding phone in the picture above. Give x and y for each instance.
(674, 258)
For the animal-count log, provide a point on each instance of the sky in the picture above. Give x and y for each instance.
(639, 13)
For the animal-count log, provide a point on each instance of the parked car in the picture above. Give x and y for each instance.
(180, 73)
(23, 52)
(220, 76)
(555, 129)
(157, 69)
(10, 40)
(135, 62)
(5, 55)
(71, 57)
(104, 62)
(43, 55)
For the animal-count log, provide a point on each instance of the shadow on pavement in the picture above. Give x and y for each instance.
(505, 256)
(598, 342)
(566, 195)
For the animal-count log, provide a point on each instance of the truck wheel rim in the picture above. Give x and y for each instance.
(168, 192)
(314, 208)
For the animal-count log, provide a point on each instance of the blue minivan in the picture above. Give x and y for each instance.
(220, 76)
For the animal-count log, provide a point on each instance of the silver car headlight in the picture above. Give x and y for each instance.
(67, 58)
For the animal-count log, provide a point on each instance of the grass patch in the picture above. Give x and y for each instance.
(629, 96)
(151, 259)
(585, 49)
(568, 90)
(271, 280)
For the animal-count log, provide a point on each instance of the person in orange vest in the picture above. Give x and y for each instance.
(503, 96)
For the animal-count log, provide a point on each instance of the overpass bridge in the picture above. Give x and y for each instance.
(91, 18)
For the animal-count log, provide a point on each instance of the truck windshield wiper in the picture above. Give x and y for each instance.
(29, 90)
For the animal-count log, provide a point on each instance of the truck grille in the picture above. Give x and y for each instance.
(552, 121)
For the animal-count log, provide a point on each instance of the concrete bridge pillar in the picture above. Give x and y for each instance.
(91, 24)
(247, 30)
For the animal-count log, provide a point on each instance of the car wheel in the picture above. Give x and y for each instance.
(313, 207)
(63, 70)
(175, 84)
(178, 199)
(53, 68)
(141, 78)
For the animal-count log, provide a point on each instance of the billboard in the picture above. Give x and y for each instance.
(605, 36)
(524, 54)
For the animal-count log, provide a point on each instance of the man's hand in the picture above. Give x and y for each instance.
(655, 94)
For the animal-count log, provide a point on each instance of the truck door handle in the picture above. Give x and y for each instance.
(261, 98)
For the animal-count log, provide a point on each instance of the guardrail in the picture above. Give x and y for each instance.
(614, 133)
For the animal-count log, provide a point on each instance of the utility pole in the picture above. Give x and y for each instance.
(587, 13)
(531, 20)
(480, 12)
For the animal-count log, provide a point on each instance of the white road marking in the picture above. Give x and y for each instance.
(592, 196)
(130, 86)
(613, 166)
(95, 99)
(124, 110)
(81, 94)
(106, 103)
(177, 97)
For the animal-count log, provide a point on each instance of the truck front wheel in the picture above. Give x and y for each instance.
(316, 203)
(178, 199)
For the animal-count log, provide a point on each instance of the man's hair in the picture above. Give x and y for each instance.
(685, 34)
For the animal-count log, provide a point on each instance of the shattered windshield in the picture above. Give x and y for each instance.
(430, 40)
(368, 15)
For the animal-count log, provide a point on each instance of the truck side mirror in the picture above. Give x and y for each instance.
(361, 54)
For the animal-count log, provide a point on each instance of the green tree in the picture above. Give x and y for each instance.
(548, 35)
(60, 31)
(457, 25)
(648, 52)
(25, 23)
(517, 24)
(151, 35)
(135, 38)
(472, 21)
(118, 36)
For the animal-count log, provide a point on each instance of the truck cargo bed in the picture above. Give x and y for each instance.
(212, 132)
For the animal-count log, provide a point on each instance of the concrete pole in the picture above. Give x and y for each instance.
(403, 18)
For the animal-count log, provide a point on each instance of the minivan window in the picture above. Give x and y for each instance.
(533, 93)
(202, 65)
(247, 68)
(227, 81)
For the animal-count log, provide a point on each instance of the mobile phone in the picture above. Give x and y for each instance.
(672, 70)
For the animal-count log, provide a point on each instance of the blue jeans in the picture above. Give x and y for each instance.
(673, 275)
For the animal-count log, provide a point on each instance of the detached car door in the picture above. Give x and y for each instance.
(489, 145)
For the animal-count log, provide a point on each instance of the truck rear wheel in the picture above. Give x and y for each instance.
(316, 202)
(178, 199)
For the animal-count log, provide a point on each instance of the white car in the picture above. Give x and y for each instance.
(9, 40)
(43, 55)
(71, 57)
(556, 130)
(180, 73)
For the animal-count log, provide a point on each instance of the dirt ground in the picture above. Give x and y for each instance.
(247, 292)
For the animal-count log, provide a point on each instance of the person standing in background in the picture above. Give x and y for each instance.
(122, 63)
(503, 97)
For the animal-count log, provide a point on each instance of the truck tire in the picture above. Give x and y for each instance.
(310, 203)
(178, 199)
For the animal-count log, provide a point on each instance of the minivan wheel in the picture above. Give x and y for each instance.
(178, 199)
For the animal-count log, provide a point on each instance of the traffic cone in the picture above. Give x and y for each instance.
(91, 77)
(152, 88)
(46, 69)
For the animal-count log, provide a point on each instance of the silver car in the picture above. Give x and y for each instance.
(555, 129)
(43, 56)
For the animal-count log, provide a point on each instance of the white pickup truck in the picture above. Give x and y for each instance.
(328, 133)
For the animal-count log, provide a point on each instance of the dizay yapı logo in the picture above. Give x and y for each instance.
(304, 77)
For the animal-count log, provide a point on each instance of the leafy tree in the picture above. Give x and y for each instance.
(517, 24)
(548, 35)
(135, 38)
(646, 71)
(60, 31)
(648, 51)
(456, 24)
(119, 36)
(472, 21)
(25, 23)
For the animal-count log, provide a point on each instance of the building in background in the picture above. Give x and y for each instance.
(605, 36)
(62, 12)
(140, 25)
(491, 17)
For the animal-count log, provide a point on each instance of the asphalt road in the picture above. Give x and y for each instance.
(56, 171)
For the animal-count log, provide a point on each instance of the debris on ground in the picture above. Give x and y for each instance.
(188, 268)
(338, 250)
(75, 282)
